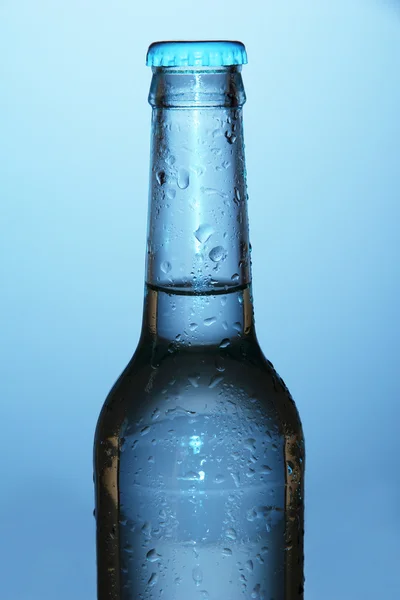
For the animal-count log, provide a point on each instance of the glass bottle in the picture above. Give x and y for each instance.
(199, 451)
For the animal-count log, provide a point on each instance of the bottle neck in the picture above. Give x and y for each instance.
(221, 319)
(198, 252)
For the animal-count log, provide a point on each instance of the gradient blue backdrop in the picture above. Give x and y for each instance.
(322, 129)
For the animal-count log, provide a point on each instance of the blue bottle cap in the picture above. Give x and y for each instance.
(196, 54)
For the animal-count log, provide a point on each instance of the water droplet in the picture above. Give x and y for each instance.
(183, 178)
(231, 534)
(250, 444)
(249, 565)
(170, 193)
(265, 470)
(219, 365)
(263, 512)
(156, 414)
(178, 580)
(225, 343)
(170, 160)
(190, 476)
(236, 479)
(210, 321)
(165, 266)
(213, 192)
(179, 410)
(231, 137)
(217, 133)
(204, 595)
(152, 555)
(197, 575)
(237, 326)
(226, 552)
(217, 254)
(146, 529)
(145, 430)
(161, 177)
(193, 326)
(219, 478)
(290, 468)
(260, 559)
(153, 580)
(251, 515)
(198, 170)
(223, 301)
(235, 277)
(250, 473)
(256, 591)
(203, 233)
(194, 380)
(215, 380)
(216, 151)
(236, 197)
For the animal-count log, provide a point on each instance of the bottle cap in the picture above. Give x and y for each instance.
(196, 54)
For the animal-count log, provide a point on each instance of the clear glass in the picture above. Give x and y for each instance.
(199, 451)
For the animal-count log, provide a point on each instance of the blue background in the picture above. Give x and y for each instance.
(322, 130)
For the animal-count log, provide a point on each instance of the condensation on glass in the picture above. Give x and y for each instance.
(199, 451)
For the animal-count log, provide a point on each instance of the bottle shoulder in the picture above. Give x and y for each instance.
(169, 381)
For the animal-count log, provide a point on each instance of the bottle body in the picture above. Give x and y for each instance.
(200, 459)
(199, 450)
